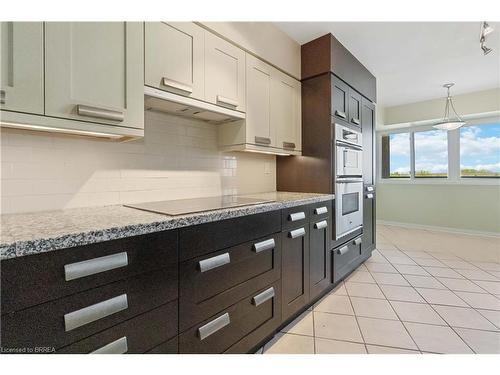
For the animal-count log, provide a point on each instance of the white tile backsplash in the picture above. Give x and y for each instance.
(178, 158)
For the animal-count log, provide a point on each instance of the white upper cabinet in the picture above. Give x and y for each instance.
(258, 105)
(21, 63)
(94, 72)
(174, 58)
(286, 111)
(224, 73)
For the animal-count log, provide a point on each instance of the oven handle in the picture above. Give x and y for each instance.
(347, 181)
(353, 146)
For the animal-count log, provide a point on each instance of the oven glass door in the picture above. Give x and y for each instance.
(349, 161)
(349, 207)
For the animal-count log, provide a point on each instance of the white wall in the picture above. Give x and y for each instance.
(177, 158)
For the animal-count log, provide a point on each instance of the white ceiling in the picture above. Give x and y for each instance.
(412, 60)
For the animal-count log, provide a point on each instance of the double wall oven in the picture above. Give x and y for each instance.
(348, 181)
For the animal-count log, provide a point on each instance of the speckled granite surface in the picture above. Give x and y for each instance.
(32, 233)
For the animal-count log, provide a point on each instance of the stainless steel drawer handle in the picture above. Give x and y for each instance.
(116, 347)
(92, 266)
(264, 245)
(215, 325)
(369, 196)
(320, 210)
(357, 241)
(2, 96)
(343, 250)
(297, 233)
(177, 85)
(321, 224)
(263, 140)
(340, 113)
(227, 101)
(370, 188)
(355, 121)
(95, 312)
(296, 216)
(289, 145)
(214, 262)
(106, 114)
(260, 298)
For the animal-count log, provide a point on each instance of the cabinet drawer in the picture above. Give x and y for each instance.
(136, 335)
(320, 210)
(202, 239)
(35, 279)
(220, 279)
(257, 313)
(295, 216)
(346, 258)
(168, 347)
(68, 320)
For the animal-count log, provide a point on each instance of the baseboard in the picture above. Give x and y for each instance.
(439, 229)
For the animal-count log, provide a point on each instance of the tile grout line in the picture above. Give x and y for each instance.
(356, 318)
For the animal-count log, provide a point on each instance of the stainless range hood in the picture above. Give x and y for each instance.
(188, 107)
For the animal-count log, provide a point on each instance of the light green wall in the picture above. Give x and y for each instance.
(464, 207)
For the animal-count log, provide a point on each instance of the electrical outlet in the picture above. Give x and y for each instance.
(267, 168)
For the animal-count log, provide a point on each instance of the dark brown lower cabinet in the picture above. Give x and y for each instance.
(319, 257)
(346, 258)
(168, 347)
(294, 270)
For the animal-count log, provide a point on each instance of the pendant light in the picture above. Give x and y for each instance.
(448, 123)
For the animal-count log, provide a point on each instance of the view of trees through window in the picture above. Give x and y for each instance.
(480, 150)
(396, 155)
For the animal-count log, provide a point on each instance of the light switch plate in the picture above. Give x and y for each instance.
(267, 168)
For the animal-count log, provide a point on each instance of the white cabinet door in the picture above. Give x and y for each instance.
(94, 72)
(286, 111)
(224, 73)
(21, 63)
(258, 105)
(174, 58)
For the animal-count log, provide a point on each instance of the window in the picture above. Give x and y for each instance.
(431, 154)
(396, 155)
(480, 150)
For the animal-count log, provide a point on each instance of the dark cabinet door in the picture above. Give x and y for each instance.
(319, 252)
(368, 130)
(294, 270)
(355, 108)
(340, 99)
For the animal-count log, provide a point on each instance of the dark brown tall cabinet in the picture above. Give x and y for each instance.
(336, 89)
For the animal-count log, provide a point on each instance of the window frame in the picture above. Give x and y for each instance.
(454, 176)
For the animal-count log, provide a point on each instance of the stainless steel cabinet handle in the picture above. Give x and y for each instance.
(370, 188)
(264, 245)
(340, 113)
(289, 145)
(355, 121)
(297, 233)
(116, 347)
(369, 196)
(321, 224)
(211, 327)
(260, 298)
(214, 262)
(320, 210)
(228, 101)
(296, 216)
(95, 312)
(357, 241)
(343, 250)
(263, 140)
(177, 85)
(92, 266)
(2, 96)
(106, 114)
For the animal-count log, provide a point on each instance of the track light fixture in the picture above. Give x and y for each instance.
(486, 29)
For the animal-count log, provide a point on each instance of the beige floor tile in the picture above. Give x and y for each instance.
(363, 290)
(373, 308)
(418, 255)
(482, 342)
(376, 258)
(492, 315)
(339, 290)
(464, 317)
(462, 285)
(385, 332)
(361, 277)
(401, 293)
(337, 327)
(284, 343)
(334, 304)
(411, 270)
(416, 313)
(477, 275)
(386, 247)
(459, 264)
(424, 281)
(389, 278)
(437, 339)
(488, 266)
(302, 325)
(441, 297)
(381, 267)
(495, 273)
(443, 272)
(480, 301)
(326, 346)
(491, 286)
(429, 262)
(400, 260)
(444, 256)
(374, 349)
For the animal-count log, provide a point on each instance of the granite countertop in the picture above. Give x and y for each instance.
(32, 233)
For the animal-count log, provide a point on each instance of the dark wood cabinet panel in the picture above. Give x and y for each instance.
(369, 199)
(168, 347)
(346, 258)
(355, 108)
(295, 216)
(340, 100)
(319, 256)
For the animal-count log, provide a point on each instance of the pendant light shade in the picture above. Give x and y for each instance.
(449, 123)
